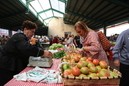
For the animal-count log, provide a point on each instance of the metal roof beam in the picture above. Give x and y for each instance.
(13, 15)
(118, 2)
(88, 18)
(80, 9)
(44, 10)
(57, 11)
(51, 7)
(64, 1)
(51, 17)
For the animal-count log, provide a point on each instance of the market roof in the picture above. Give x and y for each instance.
(96, 13)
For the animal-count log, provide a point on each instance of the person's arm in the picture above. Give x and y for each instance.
(24, 47)
(117, 48)
(93, 45)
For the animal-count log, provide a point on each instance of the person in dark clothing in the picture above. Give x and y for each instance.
(77, 41)
(15, 53)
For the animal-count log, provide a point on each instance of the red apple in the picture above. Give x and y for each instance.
(95, 61)
(76, 71)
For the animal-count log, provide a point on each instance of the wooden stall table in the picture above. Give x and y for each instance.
(14, 82)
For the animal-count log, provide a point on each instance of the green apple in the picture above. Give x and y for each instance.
(66, 66)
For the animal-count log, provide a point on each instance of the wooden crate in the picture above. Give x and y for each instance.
(91, 82)
(87, 81)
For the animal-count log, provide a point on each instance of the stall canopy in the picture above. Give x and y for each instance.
(96, 13)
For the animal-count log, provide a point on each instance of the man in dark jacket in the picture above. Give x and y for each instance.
(15, 53)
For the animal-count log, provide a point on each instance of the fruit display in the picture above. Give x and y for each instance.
(87, 67)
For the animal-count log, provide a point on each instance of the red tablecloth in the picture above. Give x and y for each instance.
(14, 82)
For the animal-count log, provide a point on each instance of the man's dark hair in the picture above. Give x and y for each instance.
(29, 25)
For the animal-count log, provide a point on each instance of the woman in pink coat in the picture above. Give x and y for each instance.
(90, 41)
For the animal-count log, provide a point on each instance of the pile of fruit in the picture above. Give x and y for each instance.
(77, 66)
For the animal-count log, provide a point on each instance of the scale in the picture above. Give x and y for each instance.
(40, 61)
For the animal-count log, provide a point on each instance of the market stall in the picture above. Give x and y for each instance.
(14, 82)
(86, 74)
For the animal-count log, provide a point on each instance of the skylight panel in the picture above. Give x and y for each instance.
(46, 9)
(43, 15)
(24, 1)
(46, 14)
(57, 14)
(61, 7)
(49, 13)
(30, 7)
(36, 5)
(44, 4)
(55, 4)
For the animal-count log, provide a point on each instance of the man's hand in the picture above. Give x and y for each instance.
(47, 53)
(116, 62)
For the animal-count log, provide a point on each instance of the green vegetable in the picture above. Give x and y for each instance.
(59, 54)
(55, 46)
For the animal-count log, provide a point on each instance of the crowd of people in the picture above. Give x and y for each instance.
(3, 39)
(17, 49)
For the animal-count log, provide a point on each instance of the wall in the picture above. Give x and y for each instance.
(57, 27)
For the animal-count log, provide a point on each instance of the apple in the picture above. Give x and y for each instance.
(67, 72)
(113, 74)
(104, 73)
(82, 75)
(85, 63)
(76, 71)
(80, 64)
(93, 69)
(90, 64)
(84, 70)
(72, 61)
(76, 58)
(98, 68)
(103, 64)
(66, 66)
(83, 59)
(89, 59)
(95, 61)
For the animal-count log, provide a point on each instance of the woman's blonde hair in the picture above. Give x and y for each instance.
(82, 25)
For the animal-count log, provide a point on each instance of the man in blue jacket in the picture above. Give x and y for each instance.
(121, 56)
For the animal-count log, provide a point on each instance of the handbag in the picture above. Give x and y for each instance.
(104, 41)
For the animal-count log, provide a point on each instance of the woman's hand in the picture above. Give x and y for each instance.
(79, 50)
(47, 53)
(116, 62)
